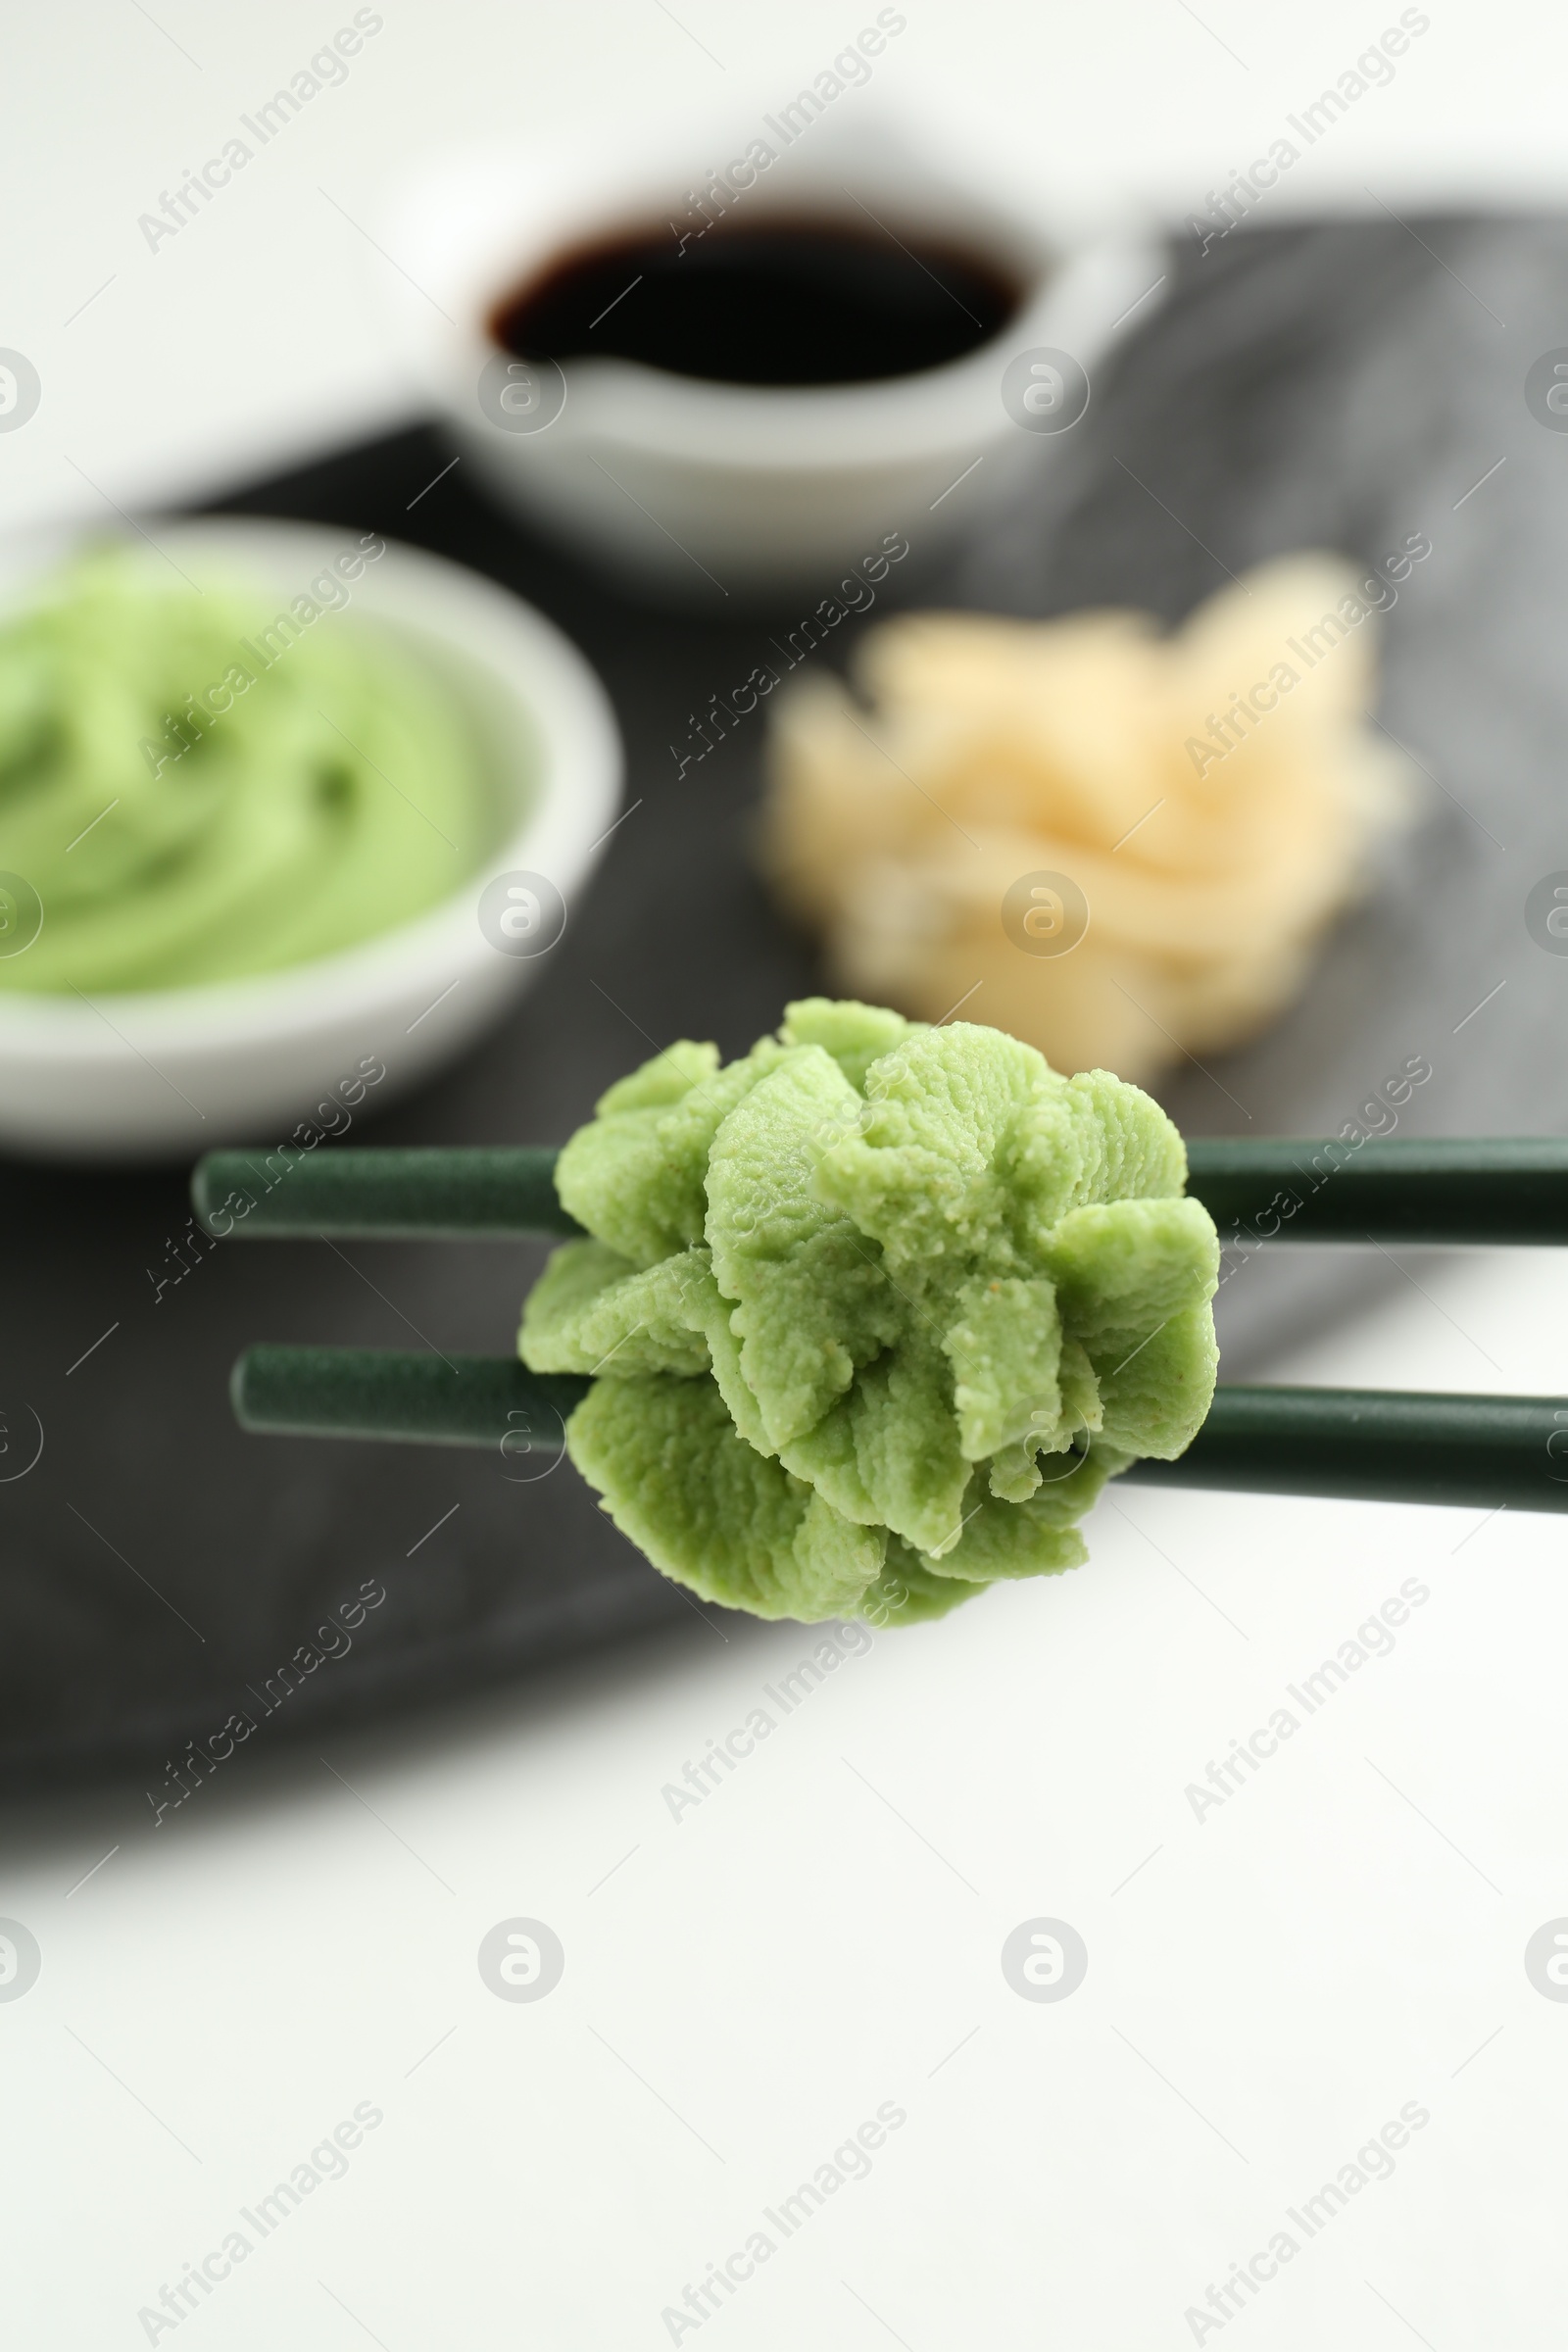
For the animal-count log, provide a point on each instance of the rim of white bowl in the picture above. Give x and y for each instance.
(824, 427)
(830, 427)
(576, 792)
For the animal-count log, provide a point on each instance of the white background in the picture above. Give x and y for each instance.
(822, 1935)
(262, 327)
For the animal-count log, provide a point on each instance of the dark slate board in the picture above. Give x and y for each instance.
(1339, 387)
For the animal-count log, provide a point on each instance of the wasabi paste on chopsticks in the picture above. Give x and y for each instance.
(874, 1312)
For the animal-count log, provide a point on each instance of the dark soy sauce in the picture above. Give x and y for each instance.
(773, 302)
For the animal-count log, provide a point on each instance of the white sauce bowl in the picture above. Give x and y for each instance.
(708, 490)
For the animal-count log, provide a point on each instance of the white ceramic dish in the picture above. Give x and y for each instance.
(707, 489)
(168, 1074)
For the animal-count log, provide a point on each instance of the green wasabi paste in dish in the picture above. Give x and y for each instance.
(199, 787)
(874, 1312)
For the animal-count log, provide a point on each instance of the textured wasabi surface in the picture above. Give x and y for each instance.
(198, 785)
(875, 1311)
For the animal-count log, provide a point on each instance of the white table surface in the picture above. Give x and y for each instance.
(748, 1979)
(744, 1985)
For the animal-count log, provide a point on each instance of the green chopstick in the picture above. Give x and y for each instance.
(1450, 1192)
(1481, 1452)
(1376, 1446)
(382, 1193)
(404, 1396)
(1370, 1444)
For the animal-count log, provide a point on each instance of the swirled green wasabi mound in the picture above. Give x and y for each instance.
(874, 1312)
(197, 786)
